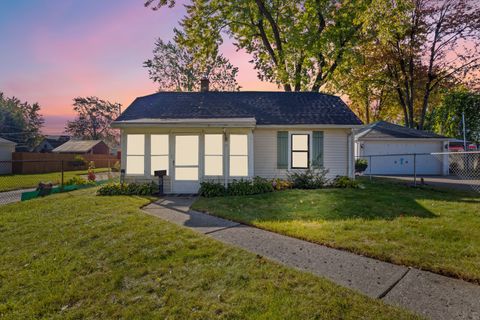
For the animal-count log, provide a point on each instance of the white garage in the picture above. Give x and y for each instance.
(6, 149)
(391, 149)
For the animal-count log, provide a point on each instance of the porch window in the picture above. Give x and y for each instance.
(238, 155)
(159, 152)
(300, 151)
(135, 153)
(214, 154)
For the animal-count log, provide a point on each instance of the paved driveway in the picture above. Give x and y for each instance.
(452, 182)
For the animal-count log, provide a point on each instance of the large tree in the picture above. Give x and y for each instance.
(296, 44)
(446, 118)
(174, 68)
(20, 122)
(439, 45)
(93, 119)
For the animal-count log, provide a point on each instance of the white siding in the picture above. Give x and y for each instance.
(6, 155)
(265, 152)
(336, 152)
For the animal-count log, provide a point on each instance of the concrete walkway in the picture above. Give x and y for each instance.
(12, 196)
(426, 293)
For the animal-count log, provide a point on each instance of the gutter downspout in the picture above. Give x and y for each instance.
(350, 154)
(226, 153)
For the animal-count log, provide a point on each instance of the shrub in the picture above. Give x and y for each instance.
(239, 188)
(344, 182)
(116, 189)
(261, 185)
(79, 181)
(211, 189)
(78, 161)
(311, 178)
(245, 187)
(281, 184)
(361, 165)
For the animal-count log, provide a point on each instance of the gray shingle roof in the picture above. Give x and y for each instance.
(383, 129)
(79, 146)
(5, 141)
(268, 108)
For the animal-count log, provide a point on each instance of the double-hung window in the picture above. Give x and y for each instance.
(238, 155)
(135, 154)
(158, 152)
(214, 154)
(300, 151)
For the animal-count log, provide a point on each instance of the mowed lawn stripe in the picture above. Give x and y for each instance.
(78, 255)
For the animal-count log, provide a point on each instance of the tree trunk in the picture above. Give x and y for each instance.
(426, 97)
(367, 106)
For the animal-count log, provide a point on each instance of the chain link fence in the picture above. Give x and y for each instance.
(19, 177)
(458, 170)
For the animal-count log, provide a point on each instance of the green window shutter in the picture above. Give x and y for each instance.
(282, 150)
(317, 148)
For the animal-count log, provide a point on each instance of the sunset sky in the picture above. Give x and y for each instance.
(53, 51)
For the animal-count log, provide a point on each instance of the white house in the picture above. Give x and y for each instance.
(391, 149)
(221, 136)
(6, 149)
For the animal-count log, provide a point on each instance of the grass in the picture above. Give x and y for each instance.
(436, 230)
(24, 181)
(76, 255)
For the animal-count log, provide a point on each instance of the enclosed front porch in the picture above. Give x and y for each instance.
(189, 155)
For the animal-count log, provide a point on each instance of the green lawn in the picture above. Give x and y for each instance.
(23, 181)
(76, 255)
(426, 228)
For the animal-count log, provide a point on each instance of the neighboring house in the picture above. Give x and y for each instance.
(221, 136)
(7, 147)
(83, 147)
(49, 143)
(390, 149)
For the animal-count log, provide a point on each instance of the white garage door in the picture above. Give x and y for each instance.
(396, 158)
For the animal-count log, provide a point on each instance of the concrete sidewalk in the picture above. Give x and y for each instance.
(425, 293)
(13, 196)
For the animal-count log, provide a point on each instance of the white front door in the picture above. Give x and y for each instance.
(186, 163)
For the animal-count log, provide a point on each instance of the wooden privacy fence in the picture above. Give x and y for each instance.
(35, 162)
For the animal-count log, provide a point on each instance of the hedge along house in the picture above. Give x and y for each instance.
(221, 136)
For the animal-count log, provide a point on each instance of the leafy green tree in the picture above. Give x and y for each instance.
(439, 45)
(174, 68)
(370, 93)
(415, 49)
(446, 118)
(93, 120)
(296, 44)
(20, 122)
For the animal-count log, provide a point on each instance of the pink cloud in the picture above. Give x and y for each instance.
(102, 57)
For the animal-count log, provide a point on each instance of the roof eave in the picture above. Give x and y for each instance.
(403, 139)
(187, 122)
(310, 126)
